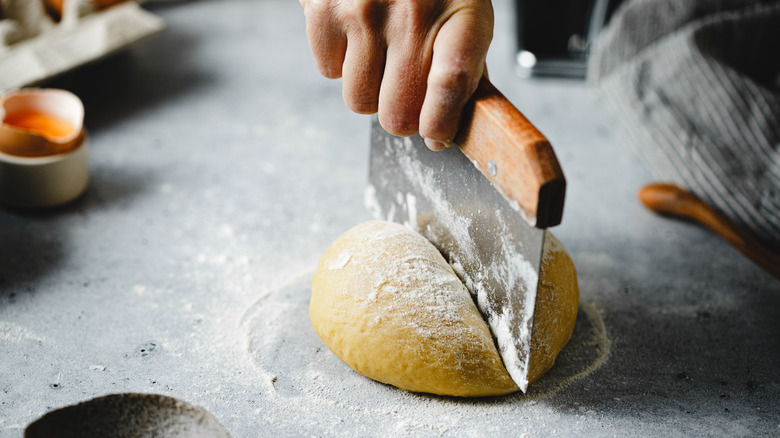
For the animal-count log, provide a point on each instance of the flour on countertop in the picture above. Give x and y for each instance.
(11, 332)
(309, 378)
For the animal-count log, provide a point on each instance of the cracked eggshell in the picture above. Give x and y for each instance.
(40, 122)
(43, 148)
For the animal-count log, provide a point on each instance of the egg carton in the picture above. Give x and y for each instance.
(35, 45)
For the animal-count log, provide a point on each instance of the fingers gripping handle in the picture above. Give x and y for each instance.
(514, 156)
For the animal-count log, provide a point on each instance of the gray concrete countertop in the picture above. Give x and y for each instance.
(223, 165)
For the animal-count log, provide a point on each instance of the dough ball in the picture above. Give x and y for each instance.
(557, 301)
(387, 303)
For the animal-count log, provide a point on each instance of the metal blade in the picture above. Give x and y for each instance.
(489, 244)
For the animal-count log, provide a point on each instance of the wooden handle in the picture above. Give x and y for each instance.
(513, 155)
(673, 200)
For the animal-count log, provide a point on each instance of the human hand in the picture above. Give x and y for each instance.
(415, 62)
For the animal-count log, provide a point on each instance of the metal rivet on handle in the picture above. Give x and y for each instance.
(492, 168)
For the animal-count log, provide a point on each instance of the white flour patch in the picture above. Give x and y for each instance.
(411, 207)
(304, 379)
(341, 261)
(140, 290)
(371, 202)
(10, 332)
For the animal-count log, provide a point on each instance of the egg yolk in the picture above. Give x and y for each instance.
(42, 124)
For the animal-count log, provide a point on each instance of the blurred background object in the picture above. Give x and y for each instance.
(696, 85)
(554, 36)
(56, 7)
(41, 39)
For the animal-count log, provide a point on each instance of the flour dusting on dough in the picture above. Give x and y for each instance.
(407, 284)
(341, 261)
(503, 286)
(400, 282)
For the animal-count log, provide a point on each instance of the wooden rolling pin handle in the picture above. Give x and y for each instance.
(513, 155)
(672, 200)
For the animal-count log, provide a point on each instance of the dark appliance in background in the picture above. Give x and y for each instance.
(554, 36)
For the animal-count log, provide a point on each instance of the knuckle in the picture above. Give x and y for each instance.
(364, 14)
(452, 79)
(315, 8)
(363, 8)
(414, 14)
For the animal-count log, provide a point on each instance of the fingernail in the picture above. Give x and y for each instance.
(435, 145)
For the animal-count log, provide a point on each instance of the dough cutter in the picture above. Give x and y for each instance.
(484, 204)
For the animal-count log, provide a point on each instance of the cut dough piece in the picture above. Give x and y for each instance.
(386, 302)
(557, 301)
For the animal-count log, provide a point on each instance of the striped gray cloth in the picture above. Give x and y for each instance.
(697, 85)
